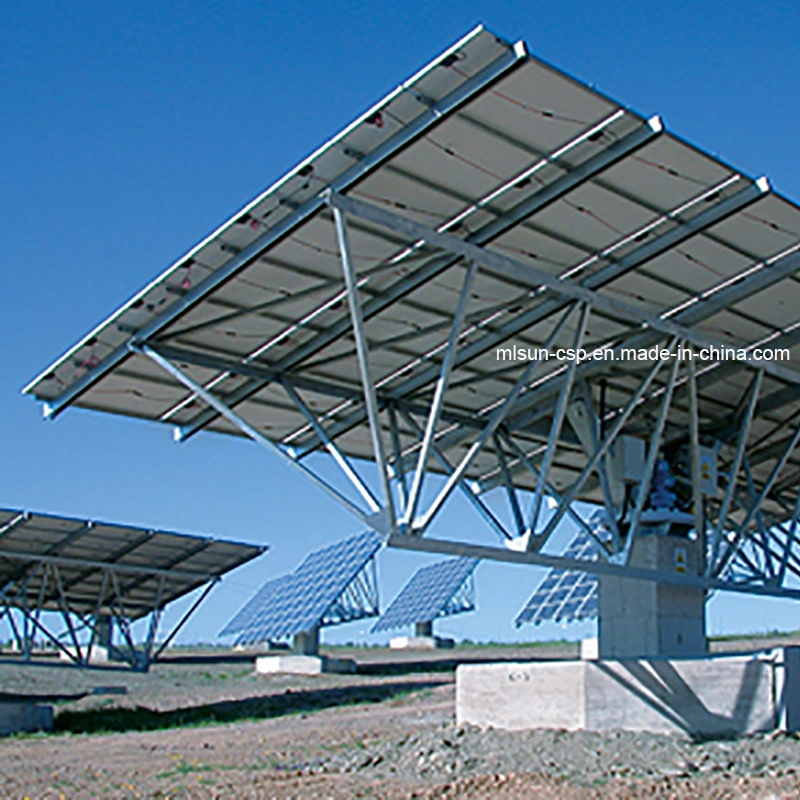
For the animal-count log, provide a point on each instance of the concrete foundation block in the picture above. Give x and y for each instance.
(24, 717)
(645, 619)
(590, 649)
(97, 655)
(420, 643)
(711, 696)
(304, 665)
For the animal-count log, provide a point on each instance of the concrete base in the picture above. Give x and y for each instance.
(24, 717)
(719, 696)
(590, 649)
(645, 619)
(420, 643)
(97, 655)
(304, 665)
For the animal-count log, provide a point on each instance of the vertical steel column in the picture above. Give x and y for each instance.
(558, 421)
(652, 455)
(370, 401)
(716, 534)
(438, 396)
(694, 464)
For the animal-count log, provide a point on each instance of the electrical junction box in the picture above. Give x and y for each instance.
(629, 456)
(708, 471)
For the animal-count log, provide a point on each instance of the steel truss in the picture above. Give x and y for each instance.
(748, 531)
(462, 601)
(749, 534)
(83, 631)
(359, 600)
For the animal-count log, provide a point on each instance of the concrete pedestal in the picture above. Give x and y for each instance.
(97, 655)
(420, 643)
(306, 643)
(711, 696)
(590, 650)
(304, 665)
(641, 619)
(24, 717)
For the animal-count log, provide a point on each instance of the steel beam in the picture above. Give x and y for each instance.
(438, 396)
(337, 455)
(427, 544)
(362, 354)
(505, 63)
(555, 425)
(372, 521)
(494, 420)
(527, 275)
(641, 255)
(524, 209)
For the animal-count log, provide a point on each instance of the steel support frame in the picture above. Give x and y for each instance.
(359, 600)
(435, 266)
(616, 268)
(513, 57)
(379, 521)
(393, 469)
(405, 526)
(110, 596)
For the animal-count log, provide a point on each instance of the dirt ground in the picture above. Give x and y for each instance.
(211, 728)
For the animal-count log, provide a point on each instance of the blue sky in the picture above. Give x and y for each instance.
(131, 130)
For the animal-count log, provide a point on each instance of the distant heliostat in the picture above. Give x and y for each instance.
(440, 590)
(333, 585)
(564, 595)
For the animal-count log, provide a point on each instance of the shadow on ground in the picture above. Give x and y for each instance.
(105, 720)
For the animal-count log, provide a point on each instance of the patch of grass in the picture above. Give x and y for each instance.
(140, 718)
(184, 767)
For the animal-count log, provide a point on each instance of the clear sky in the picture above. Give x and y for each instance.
(131, 130)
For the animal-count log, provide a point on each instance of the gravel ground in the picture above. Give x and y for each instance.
(215, 730)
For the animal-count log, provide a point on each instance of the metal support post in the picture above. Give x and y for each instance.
(558, 421)
(438, 395)
(733, 473)
(362, 353)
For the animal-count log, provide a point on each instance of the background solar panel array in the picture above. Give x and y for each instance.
(426, 595)
(564, 595)
(159, 566)
(254, 606)
(299, 601)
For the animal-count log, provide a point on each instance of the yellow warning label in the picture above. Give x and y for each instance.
(680, 559)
